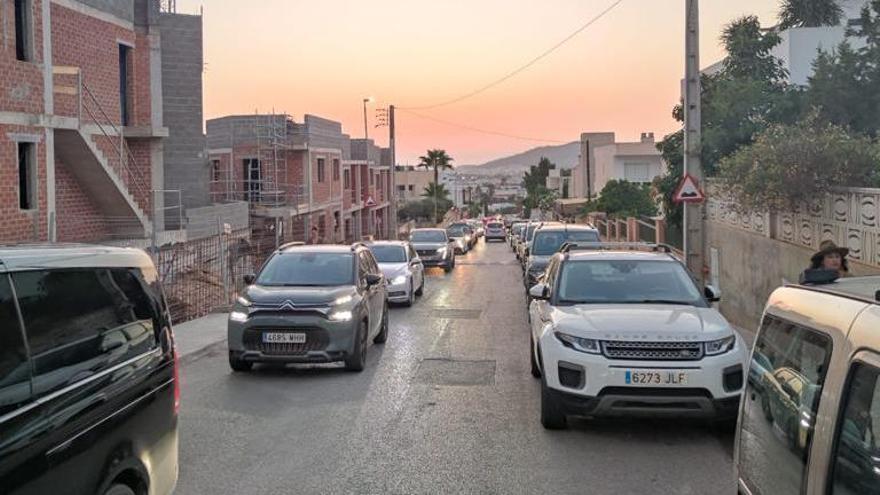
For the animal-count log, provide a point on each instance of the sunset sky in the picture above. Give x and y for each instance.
(622, 74)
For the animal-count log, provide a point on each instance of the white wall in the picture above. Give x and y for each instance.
(612, 166)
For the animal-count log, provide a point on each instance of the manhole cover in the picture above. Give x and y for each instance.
(456, 314)
(456, 372)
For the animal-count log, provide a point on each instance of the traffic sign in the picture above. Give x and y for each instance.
(370, 202)
(688, 191)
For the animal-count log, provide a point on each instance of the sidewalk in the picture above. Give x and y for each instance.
(200, 334)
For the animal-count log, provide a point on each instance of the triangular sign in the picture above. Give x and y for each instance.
(688, 191)
(370, 201)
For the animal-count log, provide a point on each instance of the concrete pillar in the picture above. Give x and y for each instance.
(49, 109)
(632, 229)
(660, 231)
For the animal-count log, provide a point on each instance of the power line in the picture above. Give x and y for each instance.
(482, 131)
(523, 67)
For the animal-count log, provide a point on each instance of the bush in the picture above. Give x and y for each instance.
(621, 198)
(790, 165)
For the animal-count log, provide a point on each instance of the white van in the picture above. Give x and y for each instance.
(812, 397)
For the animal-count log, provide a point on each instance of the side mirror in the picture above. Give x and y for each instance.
(415, 262)
(712, 294)
(373, 279)
(250, 278)
(539, 291)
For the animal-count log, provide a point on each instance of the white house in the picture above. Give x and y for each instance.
(639, 162)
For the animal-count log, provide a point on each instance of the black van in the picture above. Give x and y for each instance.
(88, 373)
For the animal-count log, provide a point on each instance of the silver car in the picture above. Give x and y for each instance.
(403, 270)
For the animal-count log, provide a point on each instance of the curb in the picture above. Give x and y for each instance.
(209, 349)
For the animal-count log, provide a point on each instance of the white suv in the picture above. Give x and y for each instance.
(624, 329)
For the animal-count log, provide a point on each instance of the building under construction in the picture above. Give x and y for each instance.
(296, 176)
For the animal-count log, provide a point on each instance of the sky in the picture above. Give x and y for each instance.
(621, 74)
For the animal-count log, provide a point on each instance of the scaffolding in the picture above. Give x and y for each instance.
(273, 143)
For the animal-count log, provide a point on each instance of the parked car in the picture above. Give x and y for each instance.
(434, 248)
(528, 234)
(514, 233)
(479, 228)
(617, 332)
(89, 389)
(810, 416)
(310, 304)
(462, 236)
(495, 232)
(403, 270)
(547, 241)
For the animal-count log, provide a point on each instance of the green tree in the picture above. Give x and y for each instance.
(809, 13)
(791, 165)
(749, 50)
(435, 191)
(437, 160)
(621, 198)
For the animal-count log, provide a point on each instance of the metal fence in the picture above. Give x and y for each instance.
(203, 275)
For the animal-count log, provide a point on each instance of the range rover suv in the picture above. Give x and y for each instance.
(621, 332)
(310, 304)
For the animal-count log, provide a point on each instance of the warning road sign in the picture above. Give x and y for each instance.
(688, 191)
(370, 202)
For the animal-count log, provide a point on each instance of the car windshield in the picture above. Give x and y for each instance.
(547, 243)
(517, 229)
(389, 254)
(428, 236)
(308, 270)
(530, 232)
(457, 231)
(627, 282)
(495, 225)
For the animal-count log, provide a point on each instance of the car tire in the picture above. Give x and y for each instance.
(358, 359)
(536, 371)
(383, 333)
(239, 364)
(411, 295)
(119, 489)
(421, 289)
(552, 416)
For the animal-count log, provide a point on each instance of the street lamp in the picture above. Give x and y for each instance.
(369, 99)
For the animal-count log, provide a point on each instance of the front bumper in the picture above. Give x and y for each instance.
(598, 386)
(399, 293)
(326, 341)
(434, 262)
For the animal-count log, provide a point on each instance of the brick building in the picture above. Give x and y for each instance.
(296, 176)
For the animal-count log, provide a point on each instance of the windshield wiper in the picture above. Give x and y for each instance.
(657, 301)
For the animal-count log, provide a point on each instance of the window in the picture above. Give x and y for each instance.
(215, 170)
(83, 321)
(411, 188)
(389, 253)
(15, 375)
(309, 269)
(27, 168)
(856, 467)
(785, 382)
(346, 179)
(372, 179)
(636, 172)
(321, 169)
(335, 170)
(253, 182)
(401, 188)
(627, 281)
(124, 83)
(23, 30)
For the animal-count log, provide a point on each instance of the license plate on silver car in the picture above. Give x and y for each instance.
(656, 377)
(284, 338)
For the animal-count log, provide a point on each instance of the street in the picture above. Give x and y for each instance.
(447, 405)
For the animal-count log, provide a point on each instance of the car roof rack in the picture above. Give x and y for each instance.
(616, 246)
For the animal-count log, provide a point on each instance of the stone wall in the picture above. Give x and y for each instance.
(750, 255)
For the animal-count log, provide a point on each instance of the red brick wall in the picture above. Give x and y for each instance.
(21, 83)
(141, 166)
(79, 220)
(321, 190)
(17, 225)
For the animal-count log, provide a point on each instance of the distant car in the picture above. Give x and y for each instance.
(525, 244)
(495, 232)
(462, 235)
(404, 272)
(434, 248)
(478, 228)
(89, 388)
(619, 332)
(310, 304)
(547, 241)
(513, 234)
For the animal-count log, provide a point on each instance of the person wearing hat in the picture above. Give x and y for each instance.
(830, 257)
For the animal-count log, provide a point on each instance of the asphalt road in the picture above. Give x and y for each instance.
(447, 405)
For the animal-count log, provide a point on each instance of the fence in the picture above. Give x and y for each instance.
(631, 229)
(203, 275)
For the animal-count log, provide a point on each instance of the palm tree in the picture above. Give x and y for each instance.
(809, 13)
(436, 159)
(435, 191)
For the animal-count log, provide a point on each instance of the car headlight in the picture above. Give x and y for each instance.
(244, 301)
(341, 316)
(719, 346)
(238, 316)
(343, 300)
(400, 279)
(590, 346)
(441, 251)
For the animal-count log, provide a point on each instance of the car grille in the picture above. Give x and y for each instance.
(652, 351)
(317, 339)
(426, 253)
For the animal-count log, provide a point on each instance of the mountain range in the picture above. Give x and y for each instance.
(563, 155)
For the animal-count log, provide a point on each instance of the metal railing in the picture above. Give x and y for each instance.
(259, 193)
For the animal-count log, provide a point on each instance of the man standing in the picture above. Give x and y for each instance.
(315, 237)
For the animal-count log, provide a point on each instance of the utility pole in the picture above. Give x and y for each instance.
(366, 133)
(392, 193)
(694, 213)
